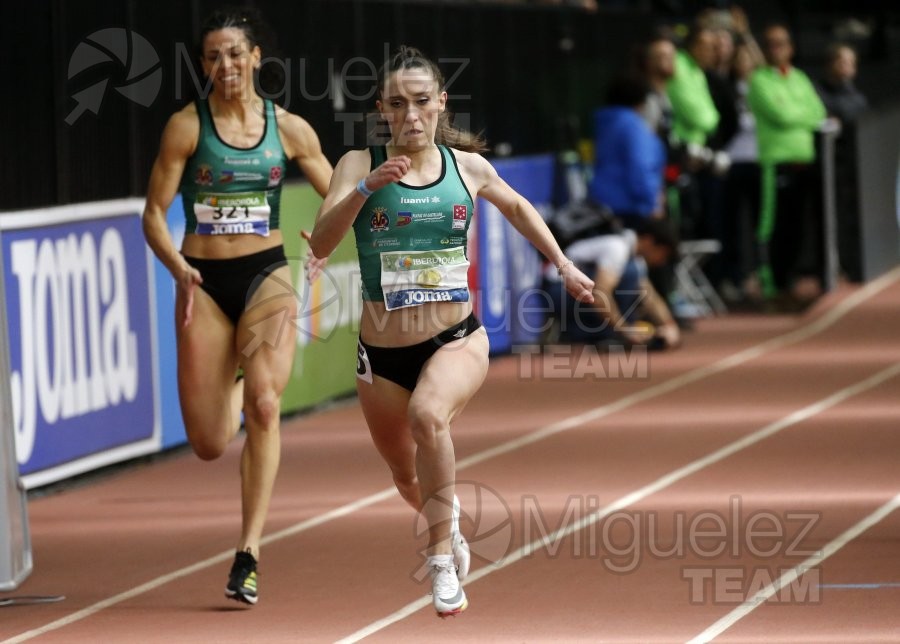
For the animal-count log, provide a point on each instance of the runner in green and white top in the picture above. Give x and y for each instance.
(412, 239)
(227, 155)
(229, 190)
(422, 355)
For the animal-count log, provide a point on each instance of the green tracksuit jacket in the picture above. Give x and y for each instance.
(787, 110)
(694, 114)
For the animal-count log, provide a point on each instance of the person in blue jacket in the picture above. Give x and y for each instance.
(629, 158)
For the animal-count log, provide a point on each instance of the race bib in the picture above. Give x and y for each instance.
(416, 277)
(240, 213)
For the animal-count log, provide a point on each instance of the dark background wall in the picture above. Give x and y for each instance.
(527, 74)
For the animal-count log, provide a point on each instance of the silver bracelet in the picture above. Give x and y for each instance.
(559, 269)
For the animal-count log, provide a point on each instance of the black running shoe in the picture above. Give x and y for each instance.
(242, 579)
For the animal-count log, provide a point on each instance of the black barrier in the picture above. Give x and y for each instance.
(878, 151)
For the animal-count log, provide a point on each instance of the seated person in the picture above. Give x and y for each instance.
(623, 296)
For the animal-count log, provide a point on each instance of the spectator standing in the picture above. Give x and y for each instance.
(711, 176)
(787, 111)
(741, 201)
(727, 190)
(694, 114)
(695, 118)
(836, 88)
(655, 61)
(846, 103)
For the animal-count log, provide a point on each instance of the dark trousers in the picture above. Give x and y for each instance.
(741, 214)
(847, 198)
(790, 232)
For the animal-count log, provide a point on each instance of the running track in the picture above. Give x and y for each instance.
(745, 490)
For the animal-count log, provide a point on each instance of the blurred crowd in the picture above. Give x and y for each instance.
(713, 131)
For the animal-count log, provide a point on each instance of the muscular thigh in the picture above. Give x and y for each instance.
(207, 361)
(453, 374)
(384, 405)
(266, 332)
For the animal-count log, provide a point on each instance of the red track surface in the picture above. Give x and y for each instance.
(648, 465)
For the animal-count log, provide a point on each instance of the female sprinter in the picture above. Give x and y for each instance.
(226, 154)
(422, 353)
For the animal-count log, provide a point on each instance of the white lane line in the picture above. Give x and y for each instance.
(124, 596)
(222, 557)
(638, 495)
(789, 577)
(815, 327)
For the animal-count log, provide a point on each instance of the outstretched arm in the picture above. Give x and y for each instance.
(525, 219)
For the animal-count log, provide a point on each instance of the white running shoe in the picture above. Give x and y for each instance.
(461, 555)
(446, 592)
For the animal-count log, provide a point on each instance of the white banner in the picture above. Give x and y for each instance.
(15, 544)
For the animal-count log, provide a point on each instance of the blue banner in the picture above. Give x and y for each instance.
(170, 407)
(81, 341)
(493, 276)
(509, 267)
(533, 178)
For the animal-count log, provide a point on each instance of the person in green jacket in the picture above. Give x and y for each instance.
(695, 115)
(788, 111)
(694, 119)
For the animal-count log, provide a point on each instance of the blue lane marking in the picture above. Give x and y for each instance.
(860, 586)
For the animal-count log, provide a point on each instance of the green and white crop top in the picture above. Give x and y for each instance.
(411, 240)
(230, 191)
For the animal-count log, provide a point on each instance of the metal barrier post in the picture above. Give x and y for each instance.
(15, 540)
(830, 131)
